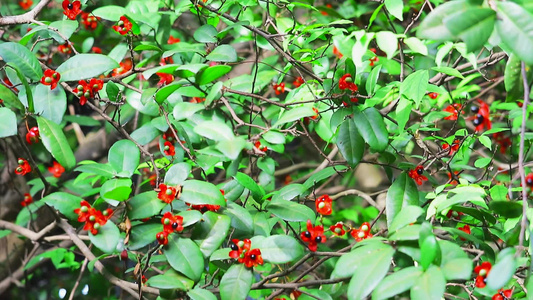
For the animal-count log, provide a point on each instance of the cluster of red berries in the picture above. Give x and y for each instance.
(375, 58)
(416, 174)
(88, 89)
(323, 205)
(241, 250)
(433, 95)
(503, 141)
(89, 21)
(124, 67)
(50, 78)
(298, 81)
(71, 10)
(94, 219)
(25, 4)
(123, 26)
(64, 48)
(482, 272)
(168, 146)
(481, 119)
(172, 40)
(171, 223)
(197, 100)
(257, 145)
(33, 135)
(336, 52)
(313, 236)
(454, 110)
(362, 233)
(346, 82)
(23, 167)
(503, 294)
(56, 169)
(166, 193)
(27, 200)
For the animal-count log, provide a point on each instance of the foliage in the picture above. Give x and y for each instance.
(270, 150)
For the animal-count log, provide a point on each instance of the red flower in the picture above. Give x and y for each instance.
(503, 294)
(373, 59)
(197, 100)
(56, 169)
(433, 95)
(64, 48)
(316, 113)
(298, 81)
(123, 26)
(482, 118)
(164, 79)
(338, 229)
(503, 141)
(168, 135)
(362, 233)
(71, 10)
(279, 88)
(313, 236)
(453, 148)
(27, 200)
(166, 60)
(96, 50)
(253, 258)
(89, 21)
(172, 223)
(337, 53)
(258, 146)
(173, 40)
(166, 193)
(50, 78)
(529, 180)
(465, 229)
(454, 182)
(454, 110)
(84, 91)
(238, 247)
(93, 218)
(346, 82)
(33, 135)
(482, 271)
(169, 149)
(23, 168)
(162, 238)
(325, 13)
(287, 180)
(204, 207)
(455, 214)
(416, 174)
(25, 4)
(323, 205)
(96, 85)
(124, 68)
(8, 84)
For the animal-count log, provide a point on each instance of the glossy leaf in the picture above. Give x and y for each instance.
(458, 269)
(429, 286)
(206, 34)
(83, 66)
(56, 143)
(372, 128)
(291, 211)
(515, 27)
(401, 193)
(350, 143)
(107, 237)
(432, 27)
(124, 157)
(184, 110)
(23, 58)
(65, 203)
(415, 85)
(223, 53)
(201, 192)
(177, 174)
(116, 190)
(236, 283)
(143, 234)
(246, 181)
(201, 294)
(214, 130)
(50, 104)
(280, 249)
(396, 283)
(211, 74)
(474, 26)
(8, 126)
(211, 233)
(145, 205)
(184, 256)
(502, 271)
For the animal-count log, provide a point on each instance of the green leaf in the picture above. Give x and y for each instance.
(83, 66)
(246, 181)
(143, 234)
(211, 74)
(416, 45)
(27, 89)
(201, 192)
(65, 27)
(8, 126)
(407, 215)
(112, 91)
(190, 217)
(513, 79)
(350, 142)
(395, 7)
(396, 283)
(502, 271)
(432, 26)
(23, 58)
(449, 71)
(387, 42)
(145, 134)
(145, 205)
(10, 99)
(280, 249)
(415, 85)
(65, 203)
(372, 80)
(321, 175)
(184, 256)
(124, 157)
(201, 294)
(241, 219)
(223, 53)
(372, 128)
(214, 130)
(211, 233)
(184, 110)
(50, 104)
(169, 280)
(232, 148)
(506, 209)
(206, 34)
(109, 12)
(402, 192)
(236, 283)
(162, 94)
(294, 114)
(458, 269)
(56, 143)
(429, 249)
(107, 237)
(177, 174)
(291, 211)
(515, 27)
(116, 190)
(474, 26)
(369, 273)
(95, 168)
(429, 286)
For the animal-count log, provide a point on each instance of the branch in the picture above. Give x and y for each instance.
(26, 17)
(34, 236)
